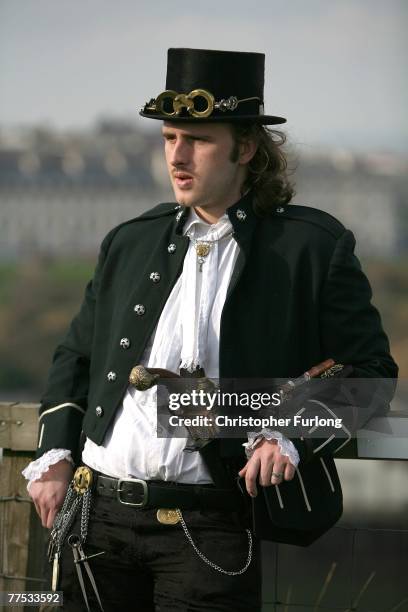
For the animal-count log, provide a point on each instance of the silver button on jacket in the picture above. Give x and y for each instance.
(155, 277)
(139, 309)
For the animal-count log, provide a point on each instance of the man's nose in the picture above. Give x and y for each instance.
(180, 153)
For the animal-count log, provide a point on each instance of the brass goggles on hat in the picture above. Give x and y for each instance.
(199, 103)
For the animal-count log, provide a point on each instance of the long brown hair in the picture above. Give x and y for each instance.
(268, 169)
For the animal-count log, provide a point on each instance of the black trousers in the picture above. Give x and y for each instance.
(151, 567)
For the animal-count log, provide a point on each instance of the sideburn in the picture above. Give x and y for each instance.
(234, 155)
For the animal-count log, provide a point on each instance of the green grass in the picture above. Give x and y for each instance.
(8, 277)
(70, 271)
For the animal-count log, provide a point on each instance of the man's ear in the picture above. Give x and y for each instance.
(247, 149)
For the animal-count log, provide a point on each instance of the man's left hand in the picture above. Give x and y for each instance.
(267, 462)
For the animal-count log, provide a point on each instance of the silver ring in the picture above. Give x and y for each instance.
(277, 474)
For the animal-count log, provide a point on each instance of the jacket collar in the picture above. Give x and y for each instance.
(193, 220)
(240, 214)
(243, 220)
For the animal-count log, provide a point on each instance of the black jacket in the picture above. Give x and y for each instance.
(297, 296)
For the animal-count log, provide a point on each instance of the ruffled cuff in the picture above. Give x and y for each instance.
(37, 468)
(286, 447)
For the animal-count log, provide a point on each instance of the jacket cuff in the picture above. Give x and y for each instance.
(60, 427)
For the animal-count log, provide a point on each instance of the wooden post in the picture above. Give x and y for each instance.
(18, 437)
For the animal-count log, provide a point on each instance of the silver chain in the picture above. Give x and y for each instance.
(67, 503)
(63, 522)
(86, 505)
(206, 560)
(67, 520)
(66, 516)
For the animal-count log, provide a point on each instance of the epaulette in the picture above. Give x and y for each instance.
(308, 214)
(161, 210)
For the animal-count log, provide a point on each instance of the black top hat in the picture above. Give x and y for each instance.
(206, 85)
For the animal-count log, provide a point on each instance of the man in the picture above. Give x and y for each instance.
(230, 281)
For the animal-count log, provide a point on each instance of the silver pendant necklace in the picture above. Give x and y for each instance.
(203, 247)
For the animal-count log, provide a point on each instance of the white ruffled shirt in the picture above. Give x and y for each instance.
(187, 335)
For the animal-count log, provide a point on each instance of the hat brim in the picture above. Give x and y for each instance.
(260, 119)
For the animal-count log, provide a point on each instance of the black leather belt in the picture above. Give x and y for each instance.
(154, 494)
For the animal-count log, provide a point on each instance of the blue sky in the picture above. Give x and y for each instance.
(337, 69)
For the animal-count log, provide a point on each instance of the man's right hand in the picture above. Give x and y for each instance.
(48, 492)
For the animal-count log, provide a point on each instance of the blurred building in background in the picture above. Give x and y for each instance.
(368, 193)
(60, 193)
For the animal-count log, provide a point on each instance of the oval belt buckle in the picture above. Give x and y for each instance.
(82, 480)
(167, 516)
